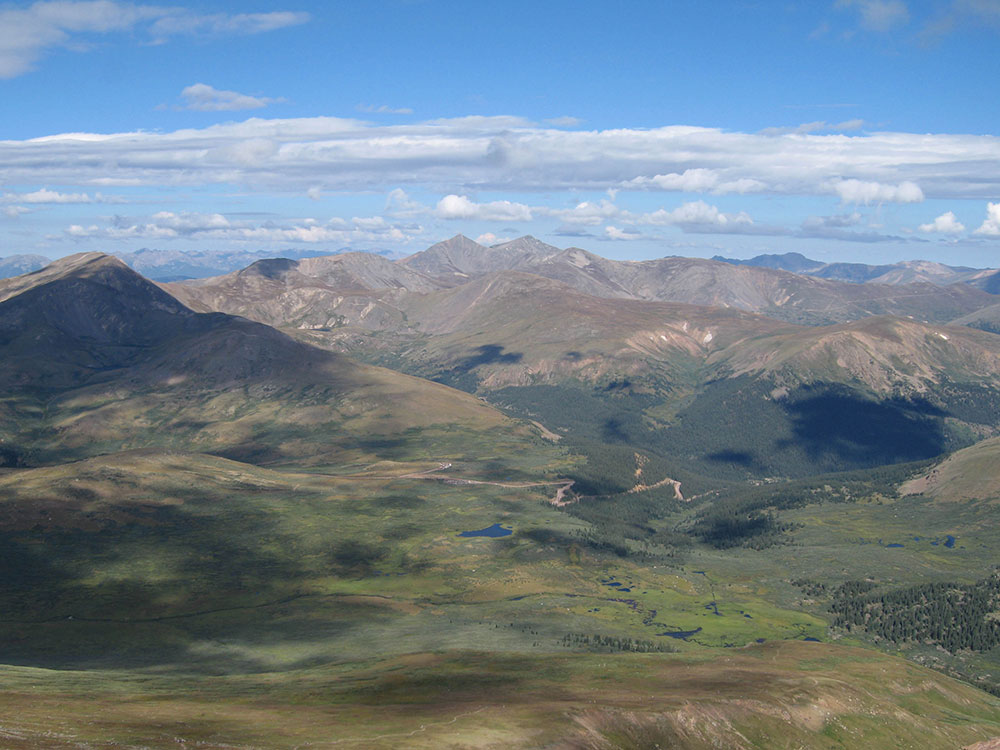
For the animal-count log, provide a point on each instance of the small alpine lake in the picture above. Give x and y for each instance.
(496, 530)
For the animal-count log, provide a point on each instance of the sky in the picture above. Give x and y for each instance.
(847, 130)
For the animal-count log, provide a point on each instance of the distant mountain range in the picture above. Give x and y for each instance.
(660, 348)
(904, 272)
(15, 265)
(175, 265)
(291, 294)
(460, 258)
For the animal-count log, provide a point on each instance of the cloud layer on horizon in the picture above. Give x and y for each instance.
(503, 153)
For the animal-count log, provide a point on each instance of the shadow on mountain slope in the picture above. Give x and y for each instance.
(858, 431)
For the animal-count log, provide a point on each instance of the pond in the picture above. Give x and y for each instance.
(949, 541)
(494, 531)
(682, 634)
(610, 581)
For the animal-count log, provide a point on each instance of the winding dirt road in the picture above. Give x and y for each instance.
(559, 500)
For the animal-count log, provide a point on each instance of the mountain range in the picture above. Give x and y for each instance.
(171, 265)
(99, 359)
(904, 272)
(15, 265)
(448, 500)
(779, 294)
(654, 347)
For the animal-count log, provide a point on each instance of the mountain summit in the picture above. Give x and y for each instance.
(461, 257)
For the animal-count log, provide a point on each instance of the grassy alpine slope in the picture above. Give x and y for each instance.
(197, 599)
(99, 360)
(212, 534)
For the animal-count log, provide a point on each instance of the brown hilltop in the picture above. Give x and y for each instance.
(117, 362)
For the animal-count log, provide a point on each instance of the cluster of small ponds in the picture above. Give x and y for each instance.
(497, 530)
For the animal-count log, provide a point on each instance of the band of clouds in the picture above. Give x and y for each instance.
(457, 158)
(690, 217)
(46, 196)
(694, 217)
(168, 225)
(27, 33)
(510, 154)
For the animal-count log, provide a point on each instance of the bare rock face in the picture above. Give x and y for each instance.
(993, 744)
(357, 289)
(461, 258)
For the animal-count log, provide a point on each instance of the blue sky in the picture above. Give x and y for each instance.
(861, 130)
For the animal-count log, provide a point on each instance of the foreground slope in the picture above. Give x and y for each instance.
(157, 599)
(972, 473)
(775, 696)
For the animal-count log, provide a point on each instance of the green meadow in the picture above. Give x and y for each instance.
(156, 598)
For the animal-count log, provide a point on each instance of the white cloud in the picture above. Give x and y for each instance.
(946, 223)
(384, 109)
(838, 227)
(490, 239)
(861, 191)
(167, 225)
(186, 22)
(13, 212)
(691, 181)
(481, 154)
(205, 98)
(879, 15)
(44, 195)
(963, 14)
(741, 186)
(697, 215)
(991, 226)
(460, 207)
(816, 127)
(838, 221)
(614, 233)
(564, 122)
(399, 204)
(697, 180)
(314, 193)
(587, 213)
(27, 33)
(189, 223)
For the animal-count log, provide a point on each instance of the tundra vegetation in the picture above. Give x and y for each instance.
(215, 533)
